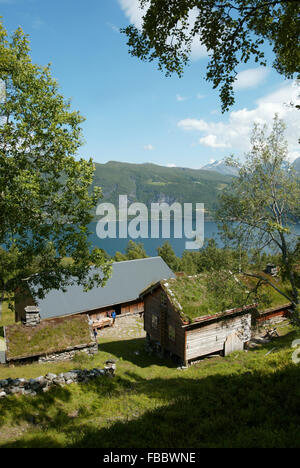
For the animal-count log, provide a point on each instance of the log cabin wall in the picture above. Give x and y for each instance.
(174, 333)
(132, 308)
(126, 308)
(280, 312)
(152, 316)
(210, 338)
(163, 323)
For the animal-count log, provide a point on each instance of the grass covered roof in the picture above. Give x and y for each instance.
(196, 296)
(49, 336)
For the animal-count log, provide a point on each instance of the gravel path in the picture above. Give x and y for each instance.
(130, 326)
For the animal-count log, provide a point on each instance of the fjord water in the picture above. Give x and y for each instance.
(111, 246)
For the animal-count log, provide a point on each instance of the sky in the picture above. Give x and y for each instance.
(133, 112)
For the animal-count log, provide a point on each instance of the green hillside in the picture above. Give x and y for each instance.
(149, 183)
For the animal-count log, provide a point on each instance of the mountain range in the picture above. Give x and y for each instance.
(149, 183)
(222, 168)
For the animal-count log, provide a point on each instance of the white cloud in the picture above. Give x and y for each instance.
(235, 132)
(171, 165)
(193, 124)
(133, 11)
(211, 140)
(148, 147)
(200, 96)
(135, 15)
(250, 78)
(180, 98)
(113, 27)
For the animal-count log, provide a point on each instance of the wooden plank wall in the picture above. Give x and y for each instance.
(211, 338)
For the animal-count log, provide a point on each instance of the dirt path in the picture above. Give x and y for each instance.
(130, 326)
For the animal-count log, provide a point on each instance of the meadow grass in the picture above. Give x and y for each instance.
(248, 399)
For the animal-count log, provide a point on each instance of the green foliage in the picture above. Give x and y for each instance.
(220, 402)
(45, 197)
(134, 251)
(232, 32)
(258, 207)
(167, 253)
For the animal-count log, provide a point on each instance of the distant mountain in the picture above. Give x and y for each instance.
(150, 183)
(296, 165)
(221, 167)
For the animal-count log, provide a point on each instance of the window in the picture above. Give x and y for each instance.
(171, 333)
(154, 321)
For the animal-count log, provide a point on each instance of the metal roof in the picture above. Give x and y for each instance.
(127, 281)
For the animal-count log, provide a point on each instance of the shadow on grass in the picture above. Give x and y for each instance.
(259, 407)
(249, 409)
(134, 351)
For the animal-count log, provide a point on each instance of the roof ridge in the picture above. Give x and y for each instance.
(137, 259)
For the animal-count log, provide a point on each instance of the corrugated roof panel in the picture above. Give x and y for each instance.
(127, 281)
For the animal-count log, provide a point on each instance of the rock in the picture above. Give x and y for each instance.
(32, 386)
(13, 390)
(70, 375)
(50, 376)
(59, 382)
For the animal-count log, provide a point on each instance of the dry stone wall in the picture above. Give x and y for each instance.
(67, 355)
(44, 383)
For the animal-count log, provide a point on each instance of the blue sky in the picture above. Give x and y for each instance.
(133, 112)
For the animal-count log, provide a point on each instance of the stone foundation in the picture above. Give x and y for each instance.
(67, 355)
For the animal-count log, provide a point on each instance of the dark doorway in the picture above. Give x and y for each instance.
(118, 309)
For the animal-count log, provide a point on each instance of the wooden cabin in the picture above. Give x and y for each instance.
(185, 329)
(120, 293)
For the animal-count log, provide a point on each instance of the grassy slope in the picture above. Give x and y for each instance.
(147, 183)
(246, 399)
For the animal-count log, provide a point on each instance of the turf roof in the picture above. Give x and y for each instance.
(49, 336)
(190, 295)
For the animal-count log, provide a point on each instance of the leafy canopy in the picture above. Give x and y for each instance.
(45, 197)
(233, 32)
(261, 205)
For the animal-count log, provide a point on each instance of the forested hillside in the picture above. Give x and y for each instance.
(149, 183)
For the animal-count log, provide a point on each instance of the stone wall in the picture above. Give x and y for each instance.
(44, 383)
(67, 355)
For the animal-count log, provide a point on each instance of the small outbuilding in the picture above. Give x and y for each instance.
(178, 320)
(48, 340)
